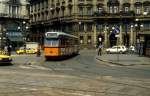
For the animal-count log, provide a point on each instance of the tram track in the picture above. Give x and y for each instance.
(64, 63)
(84, 69)
(38, 88)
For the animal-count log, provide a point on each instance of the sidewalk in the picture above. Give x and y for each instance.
(124, 59)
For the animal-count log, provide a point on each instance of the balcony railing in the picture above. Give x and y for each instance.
(14, 16)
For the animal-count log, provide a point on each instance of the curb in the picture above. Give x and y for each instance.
(120, 64)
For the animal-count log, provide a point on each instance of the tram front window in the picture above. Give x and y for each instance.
(52, 42)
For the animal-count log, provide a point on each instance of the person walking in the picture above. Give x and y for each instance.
(6, 50)
(9, 50)
(100, 49)
(38, 51)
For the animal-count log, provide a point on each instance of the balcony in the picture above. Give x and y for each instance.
(13, 16)
(80, 1)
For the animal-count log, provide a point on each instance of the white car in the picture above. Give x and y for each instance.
(131, 49)
(117, 49)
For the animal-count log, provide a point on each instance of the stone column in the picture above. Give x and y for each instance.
(121, 41)
(106, 39)
(132, 4)
(94, 34)
(131, 36)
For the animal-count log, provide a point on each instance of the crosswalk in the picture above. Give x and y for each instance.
(38, 67)
(22, 55)
(33, 67)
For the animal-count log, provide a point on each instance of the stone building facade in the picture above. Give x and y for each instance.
(93, 20)
(13, 20)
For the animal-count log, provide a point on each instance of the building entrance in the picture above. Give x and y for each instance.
(112, 39)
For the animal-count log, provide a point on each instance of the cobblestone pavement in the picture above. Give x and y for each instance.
(43, 82)
(24, 79)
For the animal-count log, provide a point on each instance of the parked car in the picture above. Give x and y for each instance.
(23, 50)
(20, 50)
(4, 57)
(131, 49)
(117, 49)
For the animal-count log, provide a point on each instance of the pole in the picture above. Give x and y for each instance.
(1, 35)
(117, 51)
(117, 47)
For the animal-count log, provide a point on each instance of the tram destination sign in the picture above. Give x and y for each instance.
(51, 35)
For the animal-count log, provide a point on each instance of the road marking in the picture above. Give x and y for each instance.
(25, 67)
(79, 94)
(63, 69)
(39, 67)
(33, 67)
(32, 89)
(23, 88)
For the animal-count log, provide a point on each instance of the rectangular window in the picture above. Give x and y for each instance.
(99, 27)
(14, 11)
(138, 10)
(146, 26)
(110, 9)
(70, 11)
(81, 27)
(146, 9)
(89, 27)
(81, 11)
(126, 9)
(10, 9)
(115, 9)
(89, 11)
(100, 9)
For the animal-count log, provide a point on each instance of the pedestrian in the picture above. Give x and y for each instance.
(139, 48)
(38, 51)
(6, 50)
(100, 49)
(9, 50)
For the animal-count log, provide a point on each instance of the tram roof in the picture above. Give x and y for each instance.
(60, 34)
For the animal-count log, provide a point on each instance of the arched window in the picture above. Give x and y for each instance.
(146, 6)
(138, 8)
(126, 7)
(113, 6)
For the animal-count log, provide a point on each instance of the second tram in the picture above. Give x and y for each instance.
(60, 44)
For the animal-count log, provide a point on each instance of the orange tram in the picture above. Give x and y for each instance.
(60, 44)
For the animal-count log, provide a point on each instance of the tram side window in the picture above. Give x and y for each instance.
(62, 42)
(68, 41)
(51, 42)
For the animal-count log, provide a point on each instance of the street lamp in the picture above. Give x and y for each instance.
(23, 28)
(79, 29)
(141, 25)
